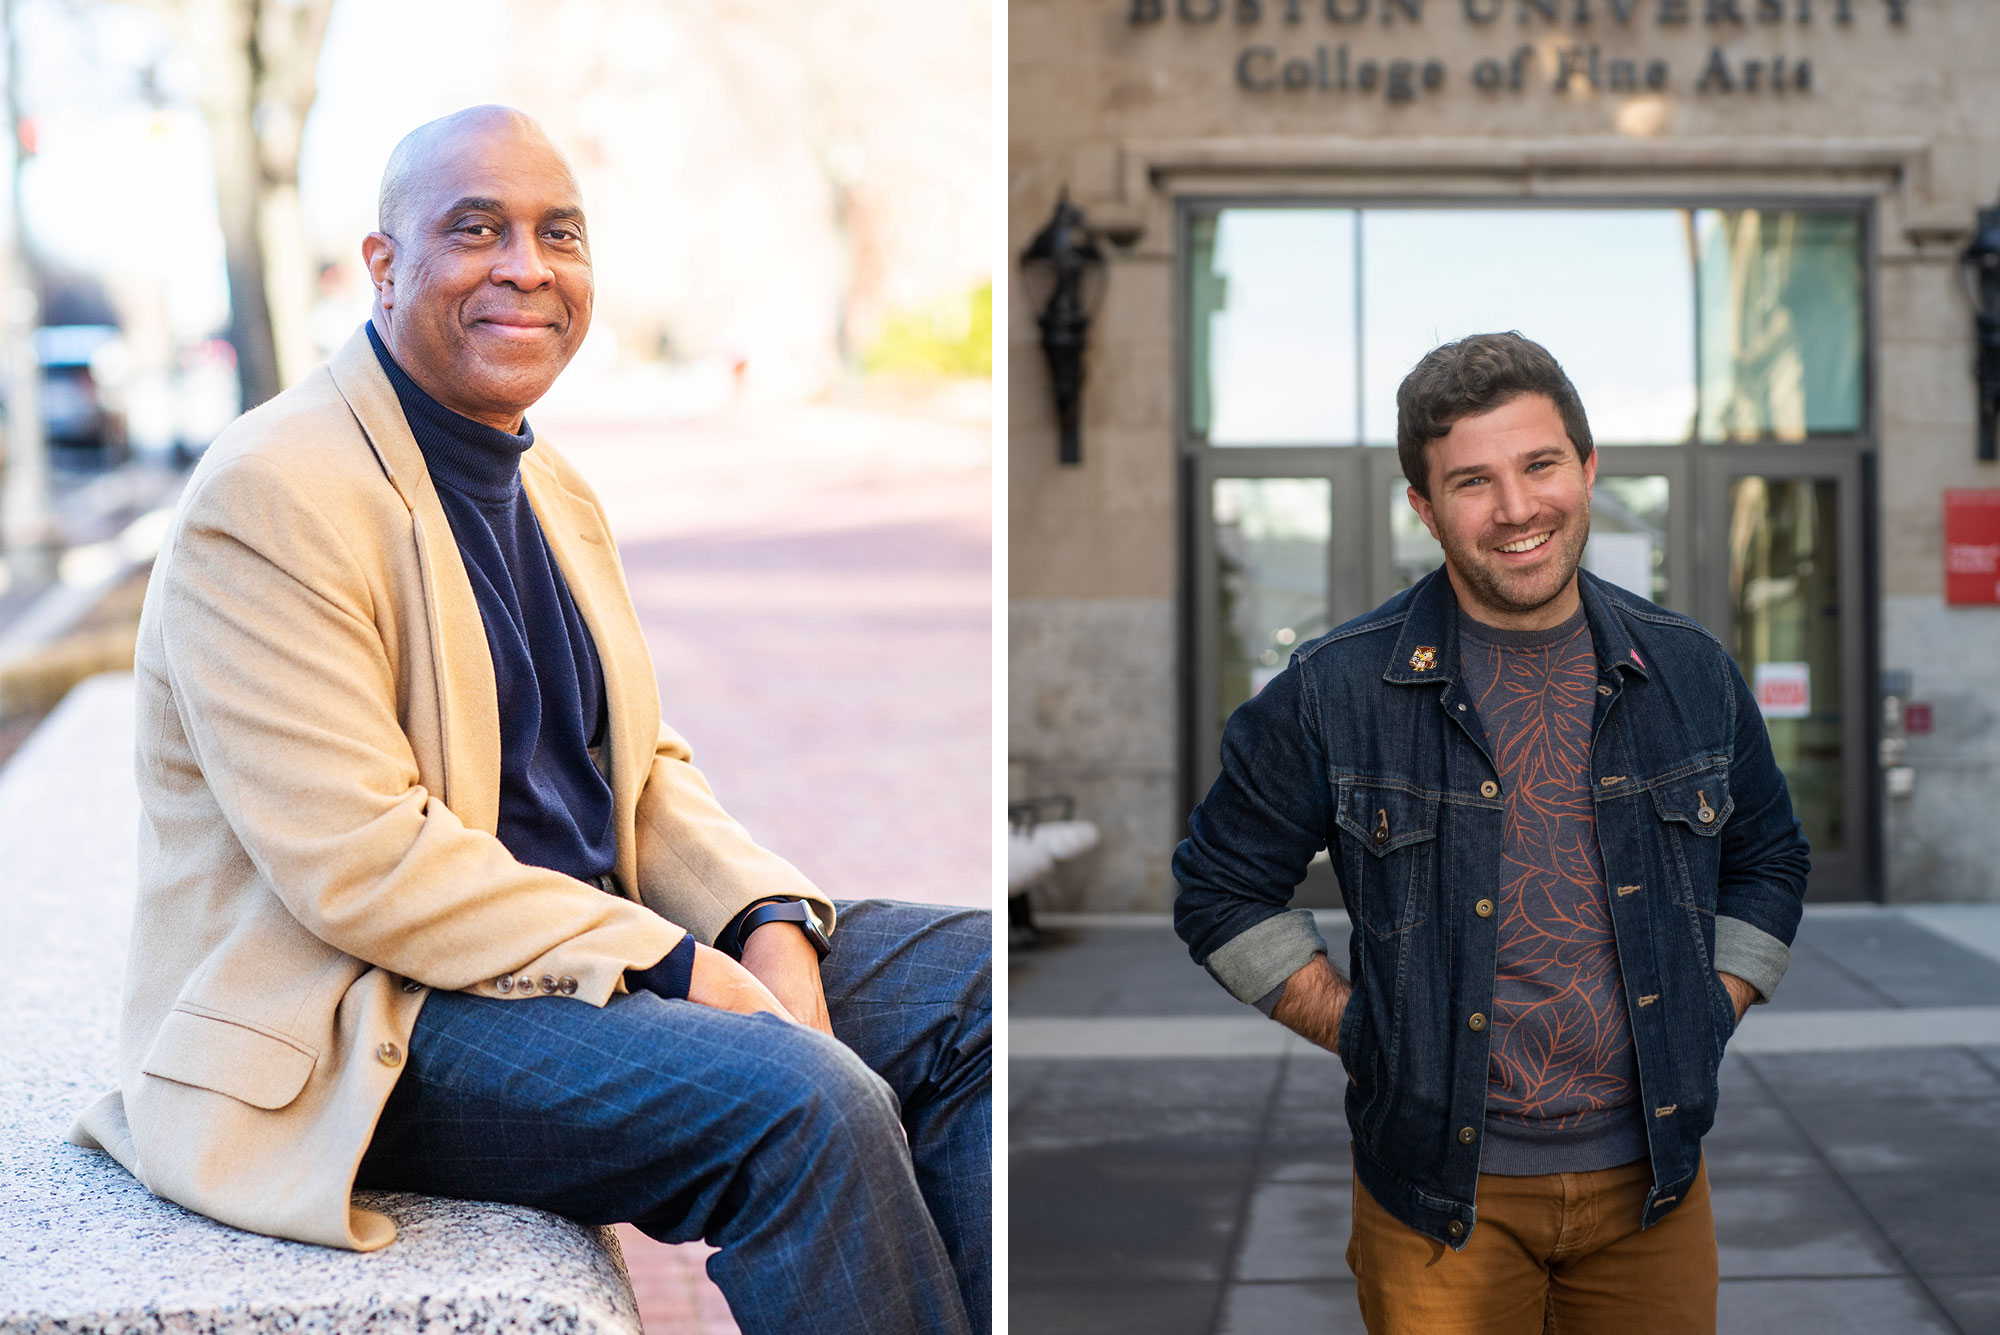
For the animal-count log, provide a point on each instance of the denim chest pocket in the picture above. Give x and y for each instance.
(1390, 835)
(1693, 809)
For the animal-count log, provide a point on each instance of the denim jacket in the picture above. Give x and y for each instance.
(1367, 746)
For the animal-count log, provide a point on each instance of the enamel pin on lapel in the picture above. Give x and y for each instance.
(1424, 659)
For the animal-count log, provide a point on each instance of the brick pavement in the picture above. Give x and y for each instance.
(815, 585)
(1204, 1188)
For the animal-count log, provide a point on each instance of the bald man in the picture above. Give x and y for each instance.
(431, 900)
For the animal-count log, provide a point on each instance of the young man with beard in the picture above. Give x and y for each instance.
(1570, 864)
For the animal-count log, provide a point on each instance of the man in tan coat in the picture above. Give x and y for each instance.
(430, 895)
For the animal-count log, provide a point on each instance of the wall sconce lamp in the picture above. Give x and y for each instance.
(1064, 271)
(1980, 267)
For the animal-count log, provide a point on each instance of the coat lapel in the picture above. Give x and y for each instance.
(470, 722)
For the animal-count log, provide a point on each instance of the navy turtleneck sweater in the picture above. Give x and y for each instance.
(555, 807)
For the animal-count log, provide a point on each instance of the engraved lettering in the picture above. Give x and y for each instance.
(1716, 76)
(1248, 78)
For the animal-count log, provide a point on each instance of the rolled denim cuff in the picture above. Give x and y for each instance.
(1751, 953)
(1252, 963)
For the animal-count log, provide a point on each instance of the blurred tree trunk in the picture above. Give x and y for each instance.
(259, 62)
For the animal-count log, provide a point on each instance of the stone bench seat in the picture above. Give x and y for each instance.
(83, 1246)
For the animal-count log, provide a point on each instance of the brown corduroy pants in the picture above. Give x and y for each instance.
(1559, 1254)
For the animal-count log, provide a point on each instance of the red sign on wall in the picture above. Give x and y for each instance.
(1972, 546)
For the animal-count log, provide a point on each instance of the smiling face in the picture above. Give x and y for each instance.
(482, 270)
(1510, 505)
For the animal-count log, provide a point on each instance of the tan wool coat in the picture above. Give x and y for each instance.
(319, 779)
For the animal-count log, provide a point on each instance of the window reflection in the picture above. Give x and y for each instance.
(1271, 326)
(1781, 323)
(1628, 534)
(1674, 324)
(1271, 538)
(1783, 581)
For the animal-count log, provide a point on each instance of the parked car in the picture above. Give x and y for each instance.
(79, 363)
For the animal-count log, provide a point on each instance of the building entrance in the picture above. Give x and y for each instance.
(1753, 521)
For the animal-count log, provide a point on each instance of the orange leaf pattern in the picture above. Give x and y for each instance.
(1561, 1054)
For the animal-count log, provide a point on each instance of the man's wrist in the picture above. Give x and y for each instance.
(1314, 1000)
(794, 909)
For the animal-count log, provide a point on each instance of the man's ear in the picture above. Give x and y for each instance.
(1423, 509)
(378, 252)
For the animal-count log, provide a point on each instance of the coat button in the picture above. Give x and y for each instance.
(1456, 1228)
(526, 984)
(549, 983)
(567, 986)
(1476, 1023)
(1484, 908)
(412, 985)
(1466, 1135)
(1489, 789)
(389, 1054)
(505, 984)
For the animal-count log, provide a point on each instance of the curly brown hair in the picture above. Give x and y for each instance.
(1475, 375)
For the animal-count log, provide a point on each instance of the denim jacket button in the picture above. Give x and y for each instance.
(1484, 908)
(1466, 1135)
(1456, 1228)
(1489, 789)
(1476, 1023)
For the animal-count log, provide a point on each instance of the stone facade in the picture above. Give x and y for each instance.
(1133, 105)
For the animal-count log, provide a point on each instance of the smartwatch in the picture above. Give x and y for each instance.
(775, 910)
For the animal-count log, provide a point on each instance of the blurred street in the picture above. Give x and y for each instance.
(1180, 1164)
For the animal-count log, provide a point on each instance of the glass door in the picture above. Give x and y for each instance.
(1783, 593)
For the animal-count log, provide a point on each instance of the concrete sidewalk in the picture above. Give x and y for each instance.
(1199, 1182)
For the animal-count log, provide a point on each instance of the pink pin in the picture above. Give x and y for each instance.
(1635, 657)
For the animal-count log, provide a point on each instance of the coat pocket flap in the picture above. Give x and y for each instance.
(1699, 801)
(252, 1065)
(1383, 820)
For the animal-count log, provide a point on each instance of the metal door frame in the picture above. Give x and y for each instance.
(1849, 873)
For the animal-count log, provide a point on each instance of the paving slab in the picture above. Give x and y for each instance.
(1909, 963)
(1291, 1309)
(1790, 1227)
(1972, 1300)
(1757, 1140)
(1165, 1307)
(1829, 1307)
(1936, 1073)
(1296, 1231)
(1940, 1221)
(1124, 1213)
